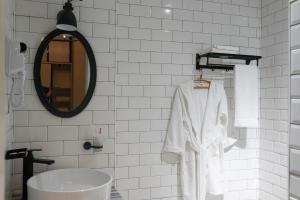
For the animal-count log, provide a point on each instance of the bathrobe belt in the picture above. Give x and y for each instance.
(201, 166)
(201, 162)
(202, 156)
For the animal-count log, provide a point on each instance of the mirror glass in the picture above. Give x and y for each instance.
(65, 73)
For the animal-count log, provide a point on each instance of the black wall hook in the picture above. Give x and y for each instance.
(23, 47)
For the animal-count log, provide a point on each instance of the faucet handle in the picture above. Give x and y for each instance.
(32, 150)
(29, 151)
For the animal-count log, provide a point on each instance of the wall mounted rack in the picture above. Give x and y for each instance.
(227, 67)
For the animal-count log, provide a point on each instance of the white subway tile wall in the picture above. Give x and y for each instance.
(274, 91)
(156, 45)
(62, 139)
(153, 43)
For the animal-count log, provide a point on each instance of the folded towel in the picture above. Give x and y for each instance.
(228, 48)
(246, 96)
(216, 50)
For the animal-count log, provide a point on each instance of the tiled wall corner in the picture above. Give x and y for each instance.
(274, 79)
(156, 45)
(9, 33)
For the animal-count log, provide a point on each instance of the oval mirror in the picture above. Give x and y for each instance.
(65, 73)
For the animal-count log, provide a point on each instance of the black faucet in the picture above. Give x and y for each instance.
(28, 168)
(28, 160)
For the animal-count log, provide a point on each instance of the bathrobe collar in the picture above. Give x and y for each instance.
(199, 127)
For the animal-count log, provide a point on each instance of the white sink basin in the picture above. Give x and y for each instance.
(70, 184)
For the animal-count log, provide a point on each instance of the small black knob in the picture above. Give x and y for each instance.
(23, 47)
(87, 145)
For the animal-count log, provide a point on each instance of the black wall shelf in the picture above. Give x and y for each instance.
(227, 67)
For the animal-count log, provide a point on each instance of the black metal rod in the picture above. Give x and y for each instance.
(231, 56)
(213, 67)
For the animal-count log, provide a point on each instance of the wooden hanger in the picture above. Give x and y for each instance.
(201, 80)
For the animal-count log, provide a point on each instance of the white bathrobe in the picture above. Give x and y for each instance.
(198, 133)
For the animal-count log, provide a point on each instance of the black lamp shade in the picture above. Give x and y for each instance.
(66, 19)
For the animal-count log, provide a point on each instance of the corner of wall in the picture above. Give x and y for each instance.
(8, 113)
(274, 101)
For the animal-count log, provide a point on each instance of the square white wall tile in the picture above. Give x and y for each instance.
(295, 16)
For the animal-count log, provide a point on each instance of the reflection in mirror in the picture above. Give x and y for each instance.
(65, 73)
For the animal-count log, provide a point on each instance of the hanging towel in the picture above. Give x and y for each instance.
(246, 96)
(15, 69)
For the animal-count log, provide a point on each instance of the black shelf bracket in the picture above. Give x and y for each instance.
(227, 67)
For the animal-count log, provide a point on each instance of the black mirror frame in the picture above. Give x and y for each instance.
(37, 70)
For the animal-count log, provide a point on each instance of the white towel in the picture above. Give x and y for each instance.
(228, 48)
(15, 60)
(216, 50)
(246, 96)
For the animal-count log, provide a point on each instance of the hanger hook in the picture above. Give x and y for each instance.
(201, 73)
